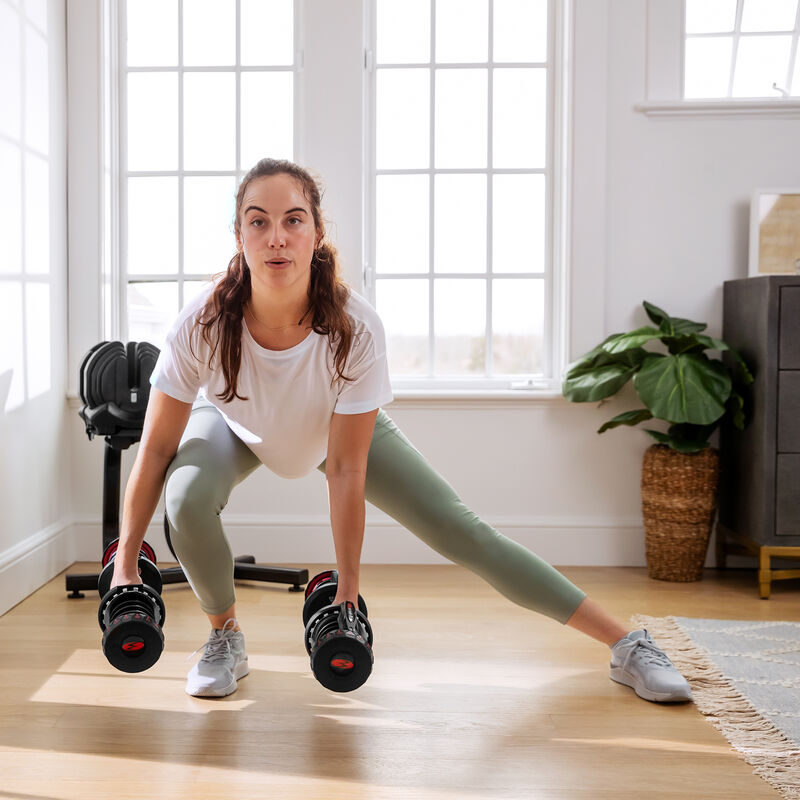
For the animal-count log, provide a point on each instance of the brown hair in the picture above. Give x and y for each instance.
(327, 292)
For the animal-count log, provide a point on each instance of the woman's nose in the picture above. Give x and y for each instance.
(277, 238)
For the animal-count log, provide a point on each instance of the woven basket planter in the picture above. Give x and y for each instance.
(679, 499)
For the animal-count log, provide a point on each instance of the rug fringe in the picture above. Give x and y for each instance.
(773, 756)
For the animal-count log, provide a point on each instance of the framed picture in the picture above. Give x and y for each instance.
(775, 232)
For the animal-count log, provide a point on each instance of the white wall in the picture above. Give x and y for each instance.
(35, 523)
(660, 213)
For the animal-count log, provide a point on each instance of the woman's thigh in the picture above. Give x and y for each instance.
(403, 484)
(210, 461)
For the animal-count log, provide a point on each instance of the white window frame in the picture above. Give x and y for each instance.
(665, 40)
(338, 153)
(557, 198)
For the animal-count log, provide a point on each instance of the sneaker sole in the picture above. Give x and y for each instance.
(242, 670)
(619, 675)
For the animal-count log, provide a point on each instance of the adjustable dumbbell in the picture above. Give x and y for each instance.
(131, 616)
(321, 592)
(338, 638)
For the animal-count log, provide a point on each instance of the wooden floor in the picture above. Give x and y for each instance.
(471, 697)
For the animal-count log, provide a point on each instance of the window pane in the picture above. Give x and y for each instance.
(10, 209)
(152, 121)
(796, 76)
(460, 223)
(209, 33)
(710, 16)
(520, 118)
(150, 45)
(11, 70)
(760, 62)
(402, 119)
(517, 327)
(462, 31)
(152, 308)
(265, 133)
(193, 288)
(208, 238)
(518, 218)
(37, 215)
(461, 124)
(402, 219)
(209, 129)
(708, 67)
(152, 226)
(775, 15)
(520, 30)
(12, 357)
(267, 34)
(403, 309)
(403, 31)
(460, 327)
(37, 344)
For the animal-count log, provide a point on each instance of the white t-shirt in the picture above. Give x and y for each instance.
(287, 415)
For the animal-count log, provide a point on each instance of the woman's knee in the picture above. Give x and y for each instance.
(189, 499)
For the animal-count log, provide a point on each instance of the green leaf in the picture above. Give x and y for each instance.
(626, 341)
(655, 313)
(677, 444)
(592, 382)
(683, 388)
(588, 358)
(687, 432)
(744, 372)
(692, 343)
(735, 409)
(626, 418)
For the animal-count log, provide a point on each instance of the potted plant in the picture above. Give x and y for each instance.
(681, 385)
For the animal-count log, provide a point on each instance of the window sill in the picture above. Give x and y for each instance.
(473, 399)
(740, 109)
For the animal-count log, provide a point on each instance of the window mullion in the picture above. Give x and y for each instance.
(737, 32)
(121, 329)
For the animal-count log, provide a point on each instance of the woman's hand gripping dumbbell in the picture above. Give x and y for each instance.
(338, 638)
(131, 614)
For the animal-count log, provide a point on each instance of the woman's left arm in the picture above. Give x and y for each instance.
(349, 438)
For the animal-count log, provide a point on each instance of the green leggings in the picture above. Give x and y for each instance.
(211, 460)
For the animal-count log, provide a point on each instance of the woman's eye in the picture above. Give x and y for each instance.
(259, 221)
(294, 219)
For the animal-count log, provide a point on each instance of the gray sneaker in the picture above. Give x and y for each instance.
(639, 663)
(222, 664)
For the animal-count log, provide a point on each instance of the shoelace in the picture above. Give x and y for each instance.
(217, 648)
(649, 652)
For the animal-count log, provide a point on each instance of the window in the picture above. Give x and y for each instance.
(460, 251)
(741, 49)
(194, 120)
(460, 227)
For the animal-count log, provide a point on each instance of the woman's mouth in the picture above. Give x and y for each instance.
(278, 262)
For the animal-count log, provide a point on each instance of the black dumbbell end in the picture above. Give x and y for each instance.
(133, 643)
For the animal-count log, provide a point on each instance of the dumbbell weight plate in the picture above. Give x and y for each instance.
(106, 607)
(133, 643)
(340, 662)
(323, 595)
(329, 610)
(150, 575)
(317, 580)
(145, 551)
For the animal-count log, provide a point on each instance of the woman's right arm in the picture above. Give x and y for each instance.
(164, 423)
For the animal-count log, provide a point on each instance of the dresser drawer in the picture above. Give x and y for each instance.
(787, 496)
(789, 344)
(789, 411)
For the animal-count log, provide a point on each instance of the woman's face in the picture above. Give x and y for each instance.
(277, 235)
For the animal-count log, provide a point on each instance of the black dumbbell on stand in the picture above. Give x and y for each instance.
(131, 616)
(338, 638)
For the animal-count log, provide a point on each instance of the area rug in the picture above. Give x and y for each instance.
(745, 679)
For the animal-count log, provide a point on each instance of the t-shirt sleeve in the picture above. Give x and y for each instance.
(370, 387)
(176, 371)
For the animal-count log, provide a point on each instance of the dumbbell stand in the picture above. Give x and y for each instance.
(245, 567)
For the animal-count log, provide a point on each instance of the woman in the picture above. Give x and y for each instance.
(293, 368)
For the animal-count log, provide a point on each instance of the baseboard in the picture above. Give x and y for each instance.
(31, 563)
(293, 540)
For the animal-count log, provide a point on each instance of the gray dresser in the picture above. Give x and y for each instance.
(759, 504)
